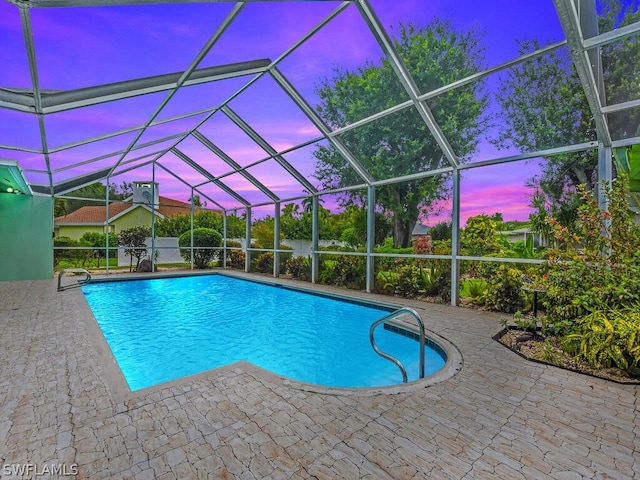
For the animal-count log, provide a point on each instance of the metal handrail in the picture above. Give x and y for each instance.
(388, 317)
(85, 280)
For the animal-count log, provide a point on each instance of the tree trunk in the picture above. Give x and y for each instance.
(402, 232)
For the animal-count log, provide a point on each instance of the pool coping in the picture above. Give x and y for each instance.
(120, 391)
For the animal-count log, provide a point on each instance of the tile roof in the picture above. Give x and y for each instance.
(97, 213)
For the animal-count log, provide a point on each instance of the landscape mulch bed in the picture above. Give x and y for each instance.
(546, 350)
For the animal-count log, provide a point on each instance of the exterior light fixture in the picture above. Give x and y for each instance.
(11, 178)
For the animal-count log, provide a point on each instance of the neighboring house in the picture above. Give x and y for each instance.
(134, 211)
(419, 230)
(523, 234)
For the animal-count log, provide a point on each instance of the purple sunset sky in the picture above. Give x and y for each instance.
(81, 47)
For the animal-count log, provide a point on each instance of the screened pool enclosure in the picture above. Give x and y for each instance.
(246, 107)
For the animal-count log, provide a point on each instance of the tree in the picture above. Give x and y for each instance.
(179, 224)
(133, 239)
(197, 201)
(64, 206)
(544, 106)
(203, 238)
(401, 144)
(356, 234)
(480, 237)
(441, 231)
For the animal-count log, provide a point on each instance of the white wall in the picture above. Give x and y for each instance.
(168, 251)
(167, 247)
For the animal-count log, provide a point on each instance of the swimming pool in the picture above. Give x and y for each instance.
(166, 328)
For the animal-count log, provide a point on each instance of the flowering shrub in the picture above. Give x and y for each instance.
(596, 266)
(422, 245)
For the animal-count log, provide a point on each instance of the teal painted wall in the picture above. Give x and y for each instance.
(26, 237)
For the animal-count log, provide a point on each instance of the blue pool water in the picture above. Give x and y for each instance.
(163, 329)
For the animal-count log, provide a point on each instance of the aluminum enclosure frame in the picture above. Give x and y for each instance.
(584, 47)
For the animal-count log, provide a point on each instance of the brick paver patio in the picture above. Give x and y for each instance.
(62, 407)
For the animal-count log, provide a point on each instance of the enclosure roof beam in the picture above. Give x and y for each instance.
(25, 20)
(202, 171)
(72, 183)
(570, 22)
(255, 136)
(233, 164)
(109, 3)
(618, 107)
(320, 125)
(206, 48)
(59, 101)
(612, 36)
(406, 79)
(117, 133)
(177, 177)
(118, 152)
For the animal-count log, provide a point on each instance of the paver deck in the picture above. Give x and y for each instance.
(499, 417)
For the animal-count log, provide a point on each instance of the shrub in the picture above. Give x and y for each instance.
(231, 244)
(386, 283)
(408, 283)
(285, 257)
(475, 289)
(264, 262)
(205, 239)
(422, 245)
(608, 338)
(345, 271)
(505, 290)
(236, 259)
(597, 264)
(442, 286)
(441, 231)
(299, 267)
(62, 253)
(133, 239)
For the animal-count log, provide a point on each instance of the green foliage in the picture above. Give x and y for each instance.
(204, 239)
(442, 286)
(262, 232)
(480, 237)
(475, 289)
(408, 283)
(232, 244)
(597, 264)
(236, 259)
(60, 252)
(350, 239)
(285, 257)
(264, 262)
(441, 231)
(608, 338)
(524, 249)
(344, 271)
(179, 224)
(544, 106)
(64, 206)
(386, 282)
(528, 324)
(299, 267)
(133, 239)
(401, 143)
(504, 293)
